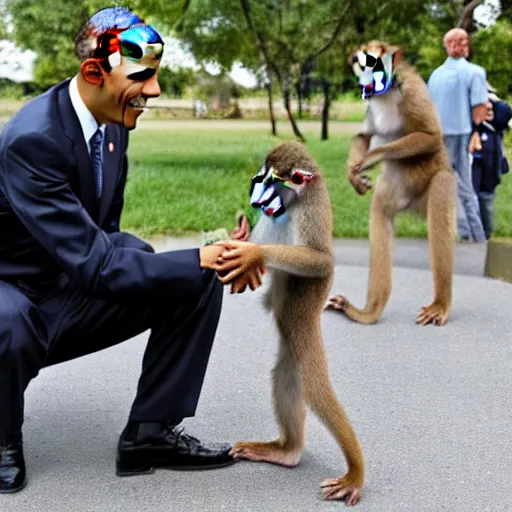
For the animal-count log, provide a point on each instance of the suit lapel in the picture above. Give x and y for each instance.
(74, 132)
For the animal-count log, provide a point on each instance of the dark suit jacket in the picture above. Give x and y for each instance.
(51, 223)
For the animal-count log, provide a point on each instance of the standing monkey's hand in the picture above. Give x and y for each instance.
(236, 258)
(360, 182)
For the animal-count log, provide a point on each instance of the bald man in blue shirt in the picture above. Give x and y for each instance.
(459, 92)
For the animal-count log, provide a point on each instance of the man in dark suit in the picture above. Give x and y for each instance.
(71, 283)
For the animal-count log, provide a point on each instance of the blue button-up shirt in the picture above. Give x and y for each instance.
(455, 87)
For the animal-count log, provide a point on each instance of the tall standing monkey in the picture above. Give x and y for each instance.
(416, 176)
(293, 239)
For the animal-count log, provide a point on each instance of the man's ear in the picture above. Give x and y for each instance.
(92, 71)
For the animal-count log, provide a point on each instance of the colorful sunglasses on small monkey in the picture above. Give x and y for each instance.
(297, 177)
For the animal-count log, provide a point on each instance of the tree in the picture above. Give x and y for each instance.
(173, 82)
(214, 32)
(291, 35)
(490, 45)
(273, 37)
(49, 27)
(4, 33)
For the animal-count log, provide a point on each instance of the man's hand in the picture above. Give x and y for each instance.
(237, 258)
(475, 143)
(209, 256)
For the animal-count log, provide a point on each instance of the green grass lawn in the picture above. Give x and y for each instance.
(191, 181)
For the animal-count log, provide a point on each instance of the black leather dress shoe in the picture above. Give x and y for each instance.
(12, 465)
(141, 450)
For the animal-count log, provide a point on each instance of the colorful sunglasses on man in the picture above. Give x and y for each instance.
(128, 41)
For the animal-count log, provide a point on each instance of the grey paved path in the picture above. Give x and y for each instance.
(432, 407)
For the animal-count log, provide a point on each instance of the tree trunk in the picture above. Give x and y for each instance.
(325, 111)
(296, 131)
(268, 86)
(466, 20)
(299, 97)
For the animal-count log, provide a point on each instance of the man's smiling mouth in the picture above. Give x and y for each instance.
(139, 102)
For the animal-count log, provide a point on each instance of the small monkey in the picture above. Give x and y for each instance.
(416, 176)
(293, 239)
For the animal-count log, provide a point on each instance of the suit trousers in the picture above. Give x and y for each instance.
(66, 324)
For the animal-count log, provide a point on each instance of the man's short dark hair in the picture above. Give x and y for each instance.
(95, 37)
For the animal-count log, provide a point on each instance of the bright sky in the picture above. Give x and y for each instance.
(17, 65)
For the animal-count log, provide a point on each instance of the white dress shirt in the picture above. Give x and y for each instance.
(86, 119)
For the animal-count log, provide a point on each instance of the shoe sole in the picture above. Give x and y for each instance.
(151, 470)
(12, 491)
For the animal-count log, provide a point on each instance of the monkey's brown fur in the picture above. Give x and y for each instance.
(417, 177)
(300, 257)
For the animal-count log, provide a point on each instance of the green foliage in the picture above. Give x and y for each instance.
(188, 179)
(219, 89)
(11, 90)
(4, 33)
(490, 48)
(174, 82)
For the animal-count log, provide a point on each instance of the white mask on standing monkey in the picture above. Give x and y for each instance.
(374, 70)
(416, 176)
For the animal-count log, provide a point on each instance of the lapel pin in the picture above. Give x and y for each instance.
(111, 147)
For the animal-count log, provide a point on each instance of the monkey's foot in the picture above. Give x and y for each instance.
(272, 452)
(434, 313)
(342, 488)
(362, 316)
(338, 303)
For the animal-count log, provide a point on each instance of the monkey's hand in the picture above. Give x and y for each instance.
(242, 231)
(371, 159)
(360, 182)
(251, 278)
(236, 258)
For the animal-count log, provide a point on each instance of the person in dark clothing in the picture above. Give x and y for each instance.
(72, 283)
(489, 160)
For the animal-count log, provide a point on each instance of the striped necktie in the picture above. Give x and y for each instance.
(97, 160)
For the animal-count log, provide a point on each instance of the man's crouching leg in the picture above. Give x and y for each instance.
(173, 371)
(23, 349)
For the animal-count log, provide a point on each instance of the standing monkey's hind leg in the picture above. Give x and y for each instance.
(341, 488)
(290, 413)
(320, 396)
(381, 254)
(441, 206)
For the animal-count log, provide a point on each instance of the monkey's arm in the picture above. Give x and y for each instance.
(297, 260)
(358, 152)
(412, 144)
